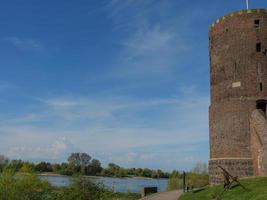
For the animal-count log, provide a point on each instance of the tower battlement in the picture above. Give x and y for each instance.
(237, 13)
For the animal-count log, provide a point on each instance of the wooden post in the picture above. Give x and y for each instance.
(184, 184)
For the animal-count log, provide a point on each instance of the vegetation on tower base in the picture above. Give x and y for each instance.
(257, 190)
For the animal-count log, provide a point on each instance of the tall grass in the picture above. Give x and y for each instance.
(25, 185)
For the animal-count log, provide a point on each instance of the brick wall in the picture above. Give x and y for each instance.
(238, 79)
(241, 167)
(259, 142)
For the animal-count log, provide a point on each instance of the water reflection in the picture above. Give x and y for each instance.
(116, 184)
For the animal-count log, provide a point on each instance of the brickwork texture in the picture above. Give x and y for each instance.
(238, 75)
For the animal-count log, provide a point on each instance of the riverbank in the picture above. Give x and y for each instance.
(51, 174)
(60, 175)
(122, 185)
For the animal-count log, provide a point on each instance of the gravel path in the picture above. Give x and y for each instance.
(172, 195)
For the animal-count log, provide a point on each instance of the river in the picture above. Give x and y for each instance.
(132, 185)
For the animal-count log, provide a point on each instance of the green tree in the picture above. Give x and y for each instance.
(56, 167)
(198, 176)
(65, 169)
(174, 181)
(27, 167)
(197, 180)
(3, 160)
(121, 172)
(43, 167)
(94, 168)
(113, 169)
(200, 168)
(139, 172)
(79, 161)
(15, 165)
(147, 172)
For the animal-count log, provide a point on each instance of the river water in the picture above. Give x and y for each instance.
(132, 185)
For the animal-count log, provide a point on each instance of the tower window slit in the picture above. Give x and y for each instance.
(257, 23)
(258, 47)
(261, 87)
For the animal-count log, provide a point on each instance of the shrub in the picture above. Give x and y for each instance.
(197, 180)
(175, 181)
(21, 186)
(25, 185)
(82, 188)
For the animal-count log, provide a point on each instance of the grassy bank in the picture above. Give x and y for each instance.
(256, 190)
(27, 185)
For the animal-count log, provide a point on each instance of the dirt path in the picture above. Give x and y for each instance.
(172, 195)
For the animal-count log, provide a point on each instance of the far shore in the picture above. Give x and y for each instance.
(60, 175)
(50, 174)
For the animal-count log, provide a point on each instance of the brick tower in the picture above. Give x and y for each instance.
(237, 114)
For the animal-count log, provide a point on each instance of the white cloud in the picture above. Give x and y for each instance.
(150, 48)
(33, 143)
(75, 108)
(114, 126)
(127, 13)
(150, 51)
(61, 147)
(61, 102)
(24, 43)
(27, 118)
(148, 40)
(109, 145)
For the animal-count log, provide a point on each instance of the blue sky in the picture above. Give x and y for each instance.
(126, 81)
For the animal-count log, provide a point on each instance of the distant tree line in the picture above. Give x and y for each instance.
(81, 164)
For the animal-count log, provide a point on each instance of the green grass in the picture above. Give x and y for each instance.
(124, 196)
(257, 190)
